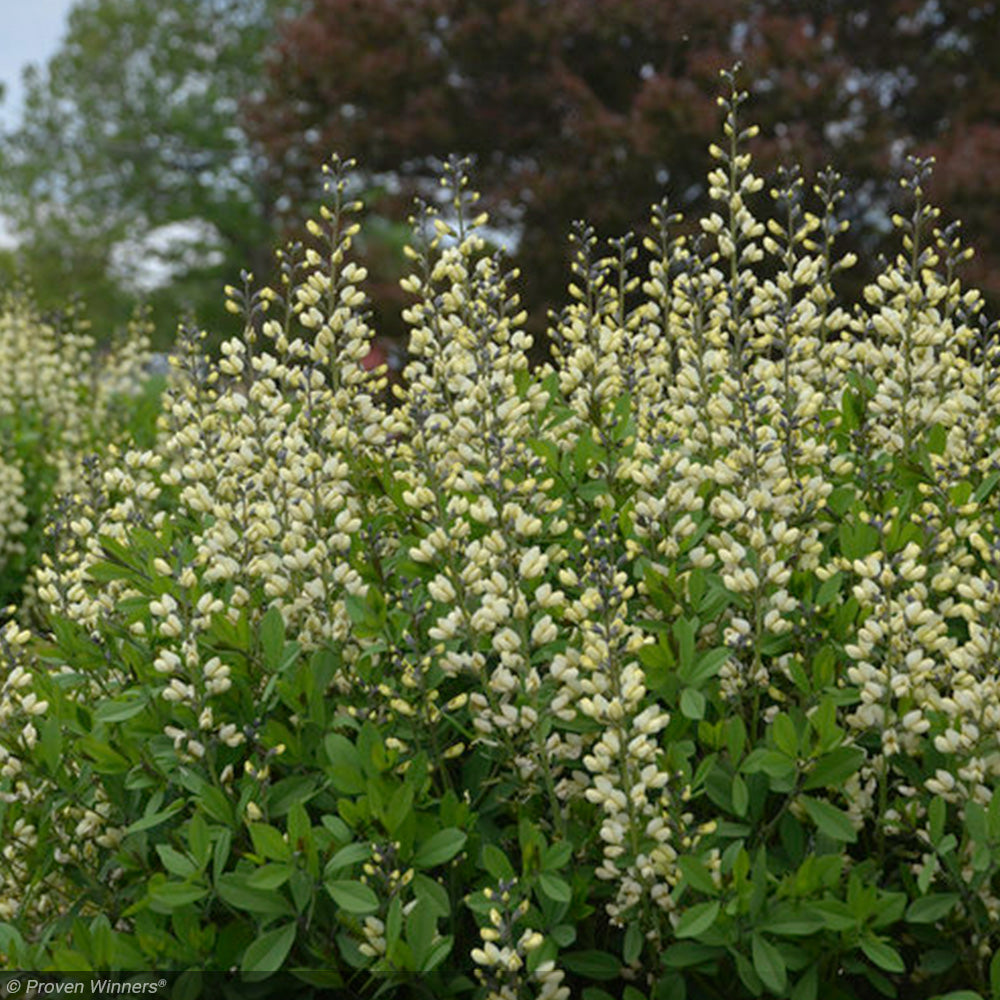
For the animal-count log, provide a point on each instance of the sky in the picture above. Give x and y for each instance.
(32, 30)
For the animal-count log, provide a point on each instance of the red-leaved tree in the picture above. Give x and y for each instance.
(596, 108)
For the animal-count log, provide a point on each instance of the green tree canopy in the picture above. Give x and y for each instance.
(129, 165)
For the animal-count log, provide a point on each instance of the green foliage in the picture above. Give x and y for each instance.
(666, 670)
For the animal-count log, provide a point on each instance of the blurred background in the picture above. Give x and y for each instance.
(151, 149)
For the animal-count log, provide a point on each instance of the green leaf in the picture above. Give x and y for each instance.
(698, 673)
(835, 914)
(174, 862)
(890, 909)
(591, 964)
(269, 951)
(216, 804)
(270, 876)
(823, 719)
(937, 438)
(557, 856)
(930, 909)
(354, 897)
(852, 409)
(421, 927)
(948, 843)
(659, 662)
(302, 887)
(104, 571)
(272, 638)
(697, 919)
(685, 954)
(882, 954)
(120, 709)
(346, 856)
(497, 863)
(399, 809)
(233, 888)
(300, 833)
(976, 822)
(547, 450)
(199, 840)
(364, 613)
(696, 875)
(857, 540)
(684, 633)
(741, 796)
(169, 896)
(345, 766)
(692, 704)
(434, 895)
(394, 921)
(269, 842)
(585, 452)
(563, 935)
(103, 758)
(634, 941)
(220, 853)
(155, 819)
(775, 765)
(438, 953)
(50, 744)
(823, 666)
(807, 988)
(784, 735)
(830, 820)
(290, 792)
(555, 888)
(936, 813)
(439, 848)
(736, 738)
(834, 768)
(829, 589)
(792, 920)
(748, 975)
(986, 487)
(769, 964)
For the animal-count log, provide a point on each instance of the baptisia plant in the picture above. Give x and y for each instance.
(664, 669)
(62, 398)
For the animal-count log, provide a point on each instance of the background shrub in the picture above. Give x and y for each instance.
(60, 400)
(666, 670)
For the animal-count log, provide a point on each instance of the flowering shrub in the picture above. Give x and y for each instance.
(669, 667)
(60, 400)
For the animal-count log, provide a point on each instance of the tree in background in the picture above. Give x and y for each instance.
(157, 154)
(923, 77)
(129, 174)
(595, 107)
(567, 107)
